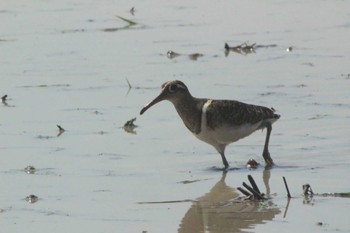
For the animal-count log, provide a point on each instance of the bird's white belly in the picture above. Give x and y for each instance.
(226, 134)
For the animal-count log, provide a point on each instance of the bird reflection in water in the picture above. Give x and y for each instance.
(216, 211)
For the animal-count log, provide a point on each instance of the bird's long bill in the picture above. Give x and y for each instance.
(159, 98)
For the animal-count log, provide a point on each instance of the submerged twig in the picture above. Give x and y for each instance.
(132, 10)
(244, 191)
(127, 20)
(128, 83)
(129, 25)
(286, 209)
(4, 98)
(60, 130)
(253, 192)
(285, 183)
(252, 182)
(130, 87)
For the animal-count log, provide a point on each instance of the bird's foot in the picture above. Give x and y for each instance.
(221, 169)
(268, 160)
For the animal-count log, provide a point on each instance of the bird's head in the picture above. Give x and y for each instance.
(172, 90)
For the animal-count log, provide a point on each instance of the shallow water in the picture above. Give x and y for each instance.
(67, 63)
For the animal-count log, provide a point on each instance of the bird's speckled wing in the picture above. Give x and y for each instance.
(230, 112)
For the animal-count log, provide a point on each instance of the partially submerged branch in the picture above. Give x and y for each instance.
(286, 185)
(253, 192)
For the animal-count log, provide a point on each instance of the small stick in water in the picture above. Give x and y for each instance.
(60, 130)
(128, 83)
(4, 98)
(252, 182)
(257, 195)
(243, 191)
(285, 183)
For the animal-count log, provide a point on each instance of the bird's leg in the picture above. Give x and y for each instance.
(266, 154)
(224, 160)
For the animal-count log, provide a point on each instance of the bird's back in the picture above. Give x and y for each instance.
(235, 113)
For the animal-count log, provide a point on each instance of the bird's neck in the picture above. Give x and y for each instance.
(190, 111)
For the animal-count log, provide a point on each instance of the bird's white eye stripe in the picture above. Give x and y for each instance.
(181, 86)
(174, 87)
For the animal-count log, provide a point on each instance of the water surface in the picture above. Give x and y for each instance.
(67, 63)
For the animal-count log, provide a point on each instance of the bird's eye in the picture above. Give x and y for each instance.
(172, 88)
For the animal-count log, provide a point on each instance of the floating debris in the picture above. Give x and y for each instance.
(193, 56)
(171, 54)
(308, 64)
(129, 126)
(4, 98)
(32, 198)
(72, 30)
(245, 48)
(30, 169)
(242, 49)
(189, 181)
(265, 46)
(307, 191)
(129, 25)
(289, 49)
(132, 10)
(128, 84)
(127, 20)
(44, 137)
(60, 130)
(97, 112)
(319, 224)
(130, 123)
(130, 87)
(342, 194)
(45, 86)
(347, 76)
(102, 132)
(252, 164)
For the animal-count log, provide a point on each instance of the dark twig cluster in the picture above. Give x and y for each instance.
(252, 191)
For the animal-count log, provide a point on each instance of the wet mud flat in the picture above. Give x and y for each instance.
(76, 156)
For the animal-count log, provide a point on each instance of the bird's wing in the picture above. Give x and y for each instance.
(236, 113)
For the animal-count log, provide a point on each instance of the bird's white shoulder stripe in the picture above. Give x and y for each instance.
(204, 114)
